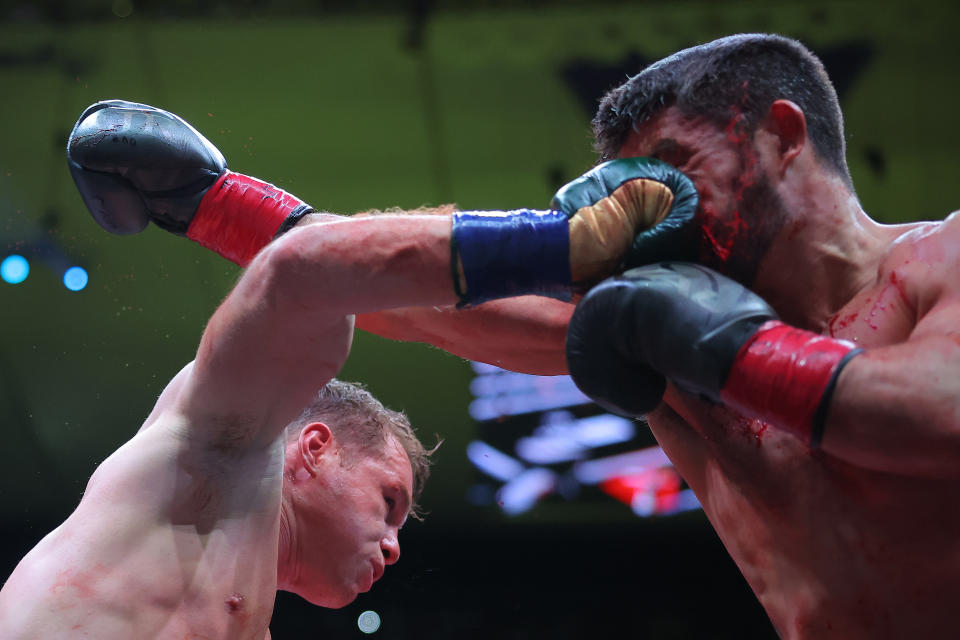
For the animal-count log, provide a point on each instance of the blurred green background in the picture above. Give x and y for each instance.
(372, 105)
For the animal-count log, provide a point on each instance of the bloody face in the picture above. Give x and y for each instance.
(739, 212)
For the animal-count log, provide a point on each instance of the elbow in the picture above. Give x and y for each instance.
(289, 251)
(289, 285)
(282, 271)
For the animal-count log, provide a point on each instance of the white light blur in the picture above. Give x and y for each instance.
(624, 464)
(369, 621)
(549, 450)
(500, 393)
(493, 462)
(521, 493)
(644, 503)
(562, 438)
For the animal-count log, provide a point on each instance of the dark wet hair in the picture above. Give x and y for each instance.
(741, 74)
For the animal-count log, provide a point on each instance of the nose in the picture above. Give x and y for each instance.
(390, 546)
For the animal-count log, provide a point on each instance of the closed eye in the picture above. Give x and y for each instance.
(397, 500)
(671, 152)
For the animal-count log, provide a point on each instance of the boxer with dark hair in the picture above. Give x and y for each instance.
(231, 489)
(805, 378)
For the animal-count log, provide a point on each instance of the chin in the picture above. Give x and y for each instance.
(329, 600)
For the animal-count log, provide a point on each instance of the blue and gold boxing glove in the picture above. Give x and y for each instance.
(596, 222)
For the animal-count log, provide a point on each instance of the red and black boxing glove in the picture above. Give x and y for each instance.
(708, 335)
(134, 164)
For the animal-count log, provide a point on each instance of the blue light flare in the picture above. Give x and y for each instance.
(14, 269)
(75, 278)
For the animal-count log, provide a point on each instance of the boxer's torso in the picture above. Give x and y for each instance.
(167, 543)
(830, 548)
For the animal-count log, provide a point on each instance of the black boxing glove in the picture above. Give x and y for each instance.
(708, 335)
(134, 163)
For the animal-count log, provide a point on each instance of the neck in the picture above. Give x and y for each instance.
(828, 250)
(286, 551)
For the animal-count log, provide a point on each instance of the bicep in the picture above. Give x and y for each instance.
(260, 359)
(287, 326)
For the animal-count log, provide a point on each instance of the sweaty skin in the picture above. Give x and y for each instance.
(188, 530)
(177, 533)
(858, 539)
(861, 538)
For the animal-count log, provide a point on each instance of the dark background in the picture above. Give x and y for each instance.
(376, 104)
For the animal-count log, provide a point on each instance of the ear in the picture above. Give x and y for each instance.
(315, 442)
(786, 122)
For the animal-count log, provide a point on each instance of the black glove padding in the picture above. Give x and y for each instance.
(679, 321)
(134, 163)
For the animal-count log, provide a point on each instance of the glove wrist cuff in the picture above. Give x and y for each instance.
(239, 215)
(786, 376)
(503, 254)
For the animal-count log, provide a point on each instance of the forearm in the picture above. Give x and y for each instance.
(355, 266)
(524, 334)
(897, 409)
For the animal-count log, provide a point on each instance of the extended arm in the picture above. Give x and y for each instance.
(524, 334)
(177, 179)
(286, 327)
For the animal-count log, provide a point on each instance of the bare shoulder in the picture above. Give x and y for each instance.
(931, 243)
(152, 532)
(923, 262)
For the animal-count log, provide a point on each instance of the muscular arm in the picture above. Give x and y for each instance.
(897, 408)
(186, 513)
(520, 334)
(286, 327)
(897, 405)
(523, 334)
(615, 212)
